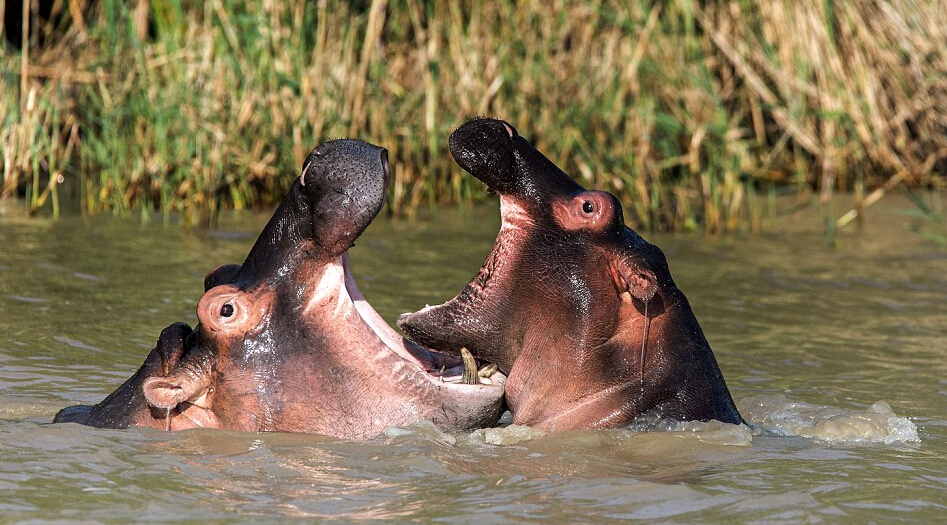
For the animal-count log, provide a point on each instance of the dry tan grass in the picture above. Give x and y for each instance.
(692, 112)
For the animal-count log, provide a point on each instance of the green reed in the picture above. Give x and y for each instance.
(694, 113)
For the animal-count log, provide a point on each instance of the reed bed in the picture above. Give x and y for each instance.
(694, 113)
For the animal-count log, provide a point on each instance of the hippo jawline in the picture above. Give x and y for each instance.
(437, 366)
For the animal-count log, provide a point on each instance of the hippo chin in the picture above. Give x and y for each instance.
(576, 308)
(286, 342)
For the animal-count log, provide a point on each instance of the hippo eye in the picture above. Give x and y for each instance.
(226, 310)
(587, 207)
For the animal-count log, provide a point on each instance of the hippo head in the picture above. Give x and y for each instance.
(286, 342)
(575, 307)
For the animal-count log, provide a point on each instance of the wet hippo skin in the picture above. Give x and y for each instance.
(286, 342)
(576, 308)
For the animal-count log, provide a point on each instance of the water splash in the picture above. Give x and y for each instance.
(711, 433)
(775, 414)
(509, 435)
(714, 432)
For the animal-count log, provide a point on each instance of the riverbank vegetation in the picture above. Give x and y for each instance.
(694, 113)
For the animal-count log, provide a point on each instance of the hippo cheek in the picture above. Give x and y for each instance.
(597, 216)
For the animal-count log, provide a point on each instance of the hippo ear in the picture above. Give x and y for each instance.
(168, 392)
(170, 347)
(189, 380)
(640, 282)
(225, 274)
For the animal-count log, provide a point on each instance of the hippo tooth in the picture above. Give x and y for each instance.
(488, 370)
(470, 376)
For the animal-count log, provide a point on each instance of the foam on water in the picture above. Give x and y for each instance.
(767, 414)
(715, 433)
(711, 433)
(509, 435)
(775, 414)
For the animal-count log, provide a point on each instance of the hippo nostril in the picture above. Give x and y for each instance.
(226, 310)
(385, 167)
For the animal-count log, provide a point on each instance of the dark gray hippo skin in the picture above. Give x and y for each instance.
(285, 342)
(576, 308)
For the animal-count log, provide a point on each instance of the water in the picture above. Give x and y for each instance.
(837, 356)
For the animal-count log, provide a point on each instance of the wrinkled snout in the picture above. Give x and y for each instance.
(345, 183)
(508, 164)
(484, 148)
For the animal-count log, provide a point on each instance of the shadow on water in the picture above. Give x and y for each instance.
(835, 356)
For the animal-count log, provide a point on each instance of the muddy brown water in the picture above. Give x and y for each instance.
(837, 357)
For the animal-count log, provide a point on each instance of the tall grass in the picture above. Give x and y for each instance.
(694, 113)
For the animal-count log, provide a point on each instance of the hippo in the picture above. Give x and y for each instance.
(577, 309)
(286, 342)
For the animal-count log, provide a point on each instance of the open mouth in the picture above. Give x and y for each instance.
(463, 371)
